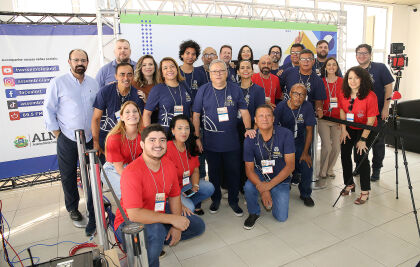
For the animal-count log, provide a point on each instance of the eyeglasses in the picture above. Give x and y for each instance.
(295, 53)
(301, 95)
(362, 53)
(209, 55)
(351, 104)
(79, 60)
(220, 72)
(275, 53)
(306, 59)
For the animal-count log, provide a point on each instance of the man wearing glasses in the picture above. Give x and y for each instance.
(305, 75)
(68, 107)
(382, 84)
(294, 57)
(297, 115)
(209, 54)
(275, 53)
(218, 102)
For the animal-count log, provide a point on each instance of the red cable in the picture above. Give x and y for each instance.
(74, 249)
(14, 252)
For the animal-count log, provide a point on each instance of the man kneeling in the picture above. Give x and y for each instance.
(269, 161)
(147, 185)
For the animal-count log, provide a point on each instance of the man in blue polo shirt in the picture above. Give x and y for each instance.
(219, 103)
(269, 161)
(297, 115)
(305, 75)
(209, 54)
(122, 52)
(226, 56)
(109, 101)
(293, 61)
(322, 51)
(382, 84)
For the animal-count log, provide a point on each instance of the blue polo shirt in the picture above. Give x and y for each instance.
(315, 85)
(231, 75)
(219, 136)
(110, 101)
(194, 80)
(280, 144)
(165, 98)
(106, 74)
(254, 97)
(286, 65)
(286, 117)
(381, 76)
(202, 74)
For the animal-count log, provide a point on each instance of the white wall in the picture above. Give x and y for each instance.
(405, 29)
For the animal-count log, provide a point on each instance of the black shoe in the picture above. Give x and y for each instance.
(199, 212)
(162, 254)
(90, 228)
(214, 207)
(308, 201)
(295, 179)
(75, 215)
(375, 175)
(250, 221)
(237, 210)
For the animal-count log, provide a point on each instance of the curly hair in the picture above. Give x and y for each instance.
(366, 84)
(139, 78)
(190, 143)
(324, 67)
(189, 44)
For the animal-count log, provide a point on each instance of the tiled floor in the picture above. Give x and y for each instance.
(382, 232)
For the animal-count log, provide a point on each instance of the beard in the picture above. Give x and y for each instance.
(276, 60)
(124, 60)
(322, 55)
(265, 70)
(80, 69)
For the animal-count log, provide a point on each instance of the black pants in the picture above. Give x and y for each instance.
(224, 164)
(67, 163)
(346, 161)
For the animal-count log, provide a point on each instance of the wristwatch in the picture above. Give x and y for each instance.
(364, 139)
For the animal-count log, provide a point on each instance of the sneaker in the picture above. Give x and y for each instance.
(90, 228)
(75, 215)
(237, 210)
(250, 221)
(375, 175)
(214, 207)
(199, 212)
(162, 254)
(295, 179)
(308, 201)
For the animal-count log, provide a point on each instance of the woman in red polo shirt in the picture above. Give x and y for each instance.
(122, 144)
(183, 152)
(330, 131)
(359, 104)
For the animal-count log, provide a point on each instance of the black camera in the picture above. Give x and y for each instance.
(397, 48)
(397, 60)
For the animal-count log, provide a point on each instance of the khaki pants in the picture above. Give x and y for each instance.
(330, 146)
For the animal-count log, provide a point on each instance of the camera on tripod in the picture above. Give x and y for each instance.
(397, 60)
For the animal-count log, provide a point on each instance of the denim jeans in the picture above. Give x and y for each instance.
(156, 234)
(205, 191)
(279, 194)
(113, 177)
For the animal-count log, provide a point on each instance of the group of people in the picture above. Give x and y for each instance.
(155, 126)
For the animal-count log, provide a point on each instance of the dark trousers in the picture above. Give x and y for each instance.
(243, 178)
(227, 165)
(305, 171)
(346, 151)
(67, 163)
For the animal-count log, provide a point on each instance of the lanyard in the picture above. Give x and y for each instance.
(163, 176)
(192, 77)
(180, 95)
(271, 83)
(121, 97)
(247, 93)
(186, 154)
(217, 101)
(307, 80)
(265, 144)
(334, 88)
(133, 155)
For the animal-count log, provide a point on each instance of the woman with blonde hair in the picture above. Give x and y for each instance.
(122, 145)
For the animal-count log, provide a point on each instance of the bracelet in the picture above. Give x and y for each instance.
(196, 185)
(247, 129)
(364, 139)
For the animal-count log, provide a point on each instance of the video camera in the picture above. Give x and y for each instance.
(397, 60)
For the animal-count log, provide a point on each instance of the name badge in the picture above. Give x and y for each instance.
(222, 113)
(178, 110)
(296, 130)
(267, 169)
(239, 114)
(350, 117)
(186, 178)
(333, 102)
(160, 201)
(265, 163)
(117, 115)
(268, 99)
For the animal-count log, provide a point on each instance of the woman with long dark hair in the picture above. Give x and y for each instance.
(245, 52)
(183, 152)
(359, 104)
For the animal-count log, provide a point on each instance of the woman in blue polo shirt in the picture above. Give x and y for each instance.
(171, 96)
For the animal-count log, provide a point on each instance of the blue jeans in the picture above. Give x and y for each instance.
(206, 190)
(279, 194)
(305, 171)
(156, 234)
(113, 177)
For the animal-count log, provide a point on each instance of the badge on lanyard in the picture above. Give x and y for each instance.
(160, 201)
(178, 110)
(333, 102)
(194, 85)
(268, 99)
(350, 117)
(117, 115)
(267, 166)
(222, 113)
(186, 178)
(296, 130)
(318, 72)
(239, 114)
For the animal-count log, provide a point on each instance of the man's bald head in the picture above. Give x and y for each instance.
(209, 54)
(265, 64)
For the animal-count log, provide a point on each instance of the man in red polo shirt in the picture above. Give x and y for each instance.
(148, 184)
(268, 81)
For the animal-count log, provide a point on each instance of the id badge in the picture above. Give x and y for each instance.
(178, 110)
(186, 178)
(333, 102)
(296, 130)
(350, 117)
(267, 170)
(117, 115)
(160, 202)
(267, 99)
(222, 113)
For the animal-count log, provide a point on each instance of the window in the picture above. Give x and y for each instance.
(354, 25)
(380, 26)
